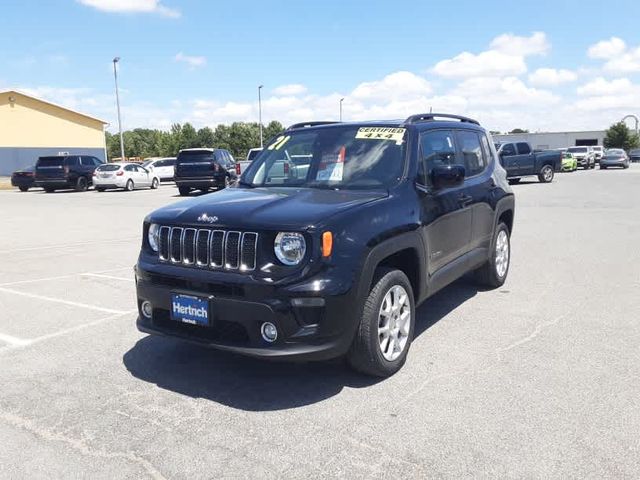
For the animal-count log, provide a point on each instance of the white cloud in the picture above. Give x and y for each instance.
(132, 6)
(536, 44)
(619, 57)
(506, 56)
(393, 87)
(549, 77)
(607, 49)
(192, 61)
(489, 63)
(601, 86)
(290, 89)
(503, 92)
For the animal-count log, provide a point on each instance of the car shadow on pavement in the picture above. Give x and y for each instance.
(261, 385)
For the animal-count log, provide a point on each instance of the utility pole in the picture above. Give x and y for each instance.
(341, 100)
(260, 113)
(115, 76)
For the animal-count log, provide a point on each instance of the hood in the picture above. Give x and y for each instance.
(264, 208)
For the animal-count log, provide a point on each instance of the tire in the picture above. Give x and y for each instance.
(129, 186)
(49, 189)
(23, 189)
(366, 354)
(81, 184)
(492, 275)
(227, 182)
(546, 174)
(154, 184)
(100, 189)
(184, 191)
(602, 168)
(513, 181)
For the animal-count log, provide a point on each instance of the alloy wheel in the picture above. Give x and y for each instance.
(394, 322)
(502, 253)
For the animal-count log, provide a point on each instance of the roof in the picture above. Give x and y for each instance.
(15, 92)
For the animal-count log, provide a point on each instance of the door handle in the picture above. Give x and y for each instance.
(464, 199)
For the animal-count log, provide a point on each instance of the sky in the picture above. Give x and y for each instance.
(543, 66)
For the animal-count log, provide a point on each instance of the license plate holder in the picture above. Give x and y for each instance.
(190, 309)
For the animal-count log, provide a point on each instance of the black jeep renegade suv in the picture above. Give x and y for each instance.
(329, 240)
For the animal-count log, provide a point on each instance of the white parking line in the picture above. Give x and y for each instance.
(68, 245)
(59, 300)
(98, 275)
(14, 341)
(71, 275)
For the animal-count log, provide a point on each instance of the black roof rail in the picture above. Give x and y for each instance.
(430, 117)
(309, 124)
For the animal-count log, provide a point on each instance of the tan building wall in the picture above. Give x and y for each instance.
(28, 122)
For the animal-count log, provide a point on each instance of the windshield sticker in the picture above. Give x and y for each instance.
(381, 133)
(280, 141)
(331, 168)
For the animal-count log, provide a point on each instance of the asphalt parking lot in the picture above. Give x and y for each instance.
(540, 379)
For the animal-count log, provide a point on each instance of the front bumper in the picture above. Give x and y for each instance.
(317, 325)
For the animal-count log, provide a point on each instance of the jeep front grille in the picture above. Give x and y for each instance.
(204, 248)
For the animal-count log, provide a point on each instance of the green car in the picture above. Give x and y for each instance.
(569, 162)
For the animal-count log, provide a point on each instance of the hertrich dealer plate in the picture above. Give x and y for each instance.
(189, 309)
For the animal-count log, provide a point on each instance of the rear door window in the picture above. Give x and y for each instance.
(72, 161)
(523, 148)
(472, 156)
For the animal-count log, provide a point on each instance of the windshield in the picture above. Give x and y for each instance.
(578, 149)
(111, 167)
(615, 153)
(331, 157)
(146, 163)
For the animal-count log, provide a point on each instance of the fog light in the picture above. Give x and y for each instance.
(147, 309)
(269, 332)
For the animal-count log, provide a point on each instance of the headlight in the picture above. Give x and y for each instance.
(152, 236)
(290, 247)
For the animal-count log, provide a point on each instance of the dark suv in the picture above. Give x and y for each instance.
(65, 171)
(329, 240)
(203, 169)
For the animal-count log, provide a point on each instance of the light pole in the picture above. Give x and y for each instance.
(115, 76)
(341, 100)
(260, 112)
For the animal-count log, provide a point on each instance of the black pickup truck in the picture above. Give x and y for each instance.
(519, 160)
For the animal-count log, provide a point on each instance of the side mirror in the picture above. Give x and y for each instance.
(447, 176)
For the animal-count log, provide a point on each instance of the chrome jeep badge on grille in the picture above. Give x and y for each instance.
(204, 218)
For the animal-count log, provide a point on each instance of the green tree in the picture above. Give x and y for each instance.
(519, 130)
(618, 135)
(206, 138)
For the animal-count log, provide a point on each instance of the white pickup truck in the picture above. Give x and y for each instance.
(243, 164)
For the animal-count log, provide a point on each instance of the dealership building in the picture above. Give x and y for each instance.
(30, 128)
(553, 140)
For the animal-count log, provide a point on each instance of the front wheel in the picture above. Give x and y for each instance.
(154, 184)
(100, 189)
(513, 181)
(494, 272)
(129, 185)
(24, 189)
(385, 332)
(184, 191)
(546, 174)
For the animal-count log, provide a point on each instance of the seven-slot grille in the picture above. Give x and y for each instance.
(229, 250)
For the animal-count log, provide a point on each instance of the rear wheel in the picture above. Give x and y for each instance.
(100, 189)
(602, 167)
(546, 174)
(494, 272)
(184, 191)
(129, 185)
(154, 183)
(24, 189)
(513, 181)
(49, 189)
(385, 332)
(81, 184)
